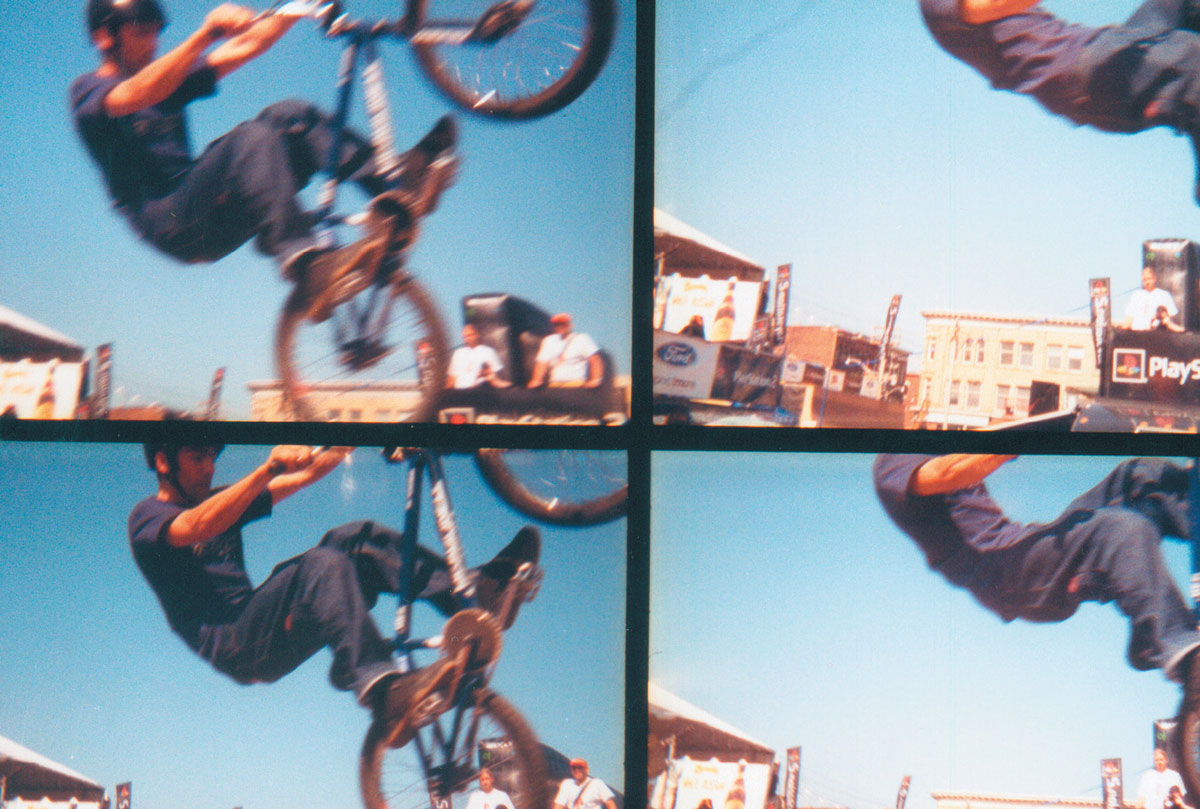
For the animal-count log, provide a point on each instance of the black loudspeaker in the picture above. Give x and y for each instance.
(511, 325)
(1176, 265)
(1043, 397)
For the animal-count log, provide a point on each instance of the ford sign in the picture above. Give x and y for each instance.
(680, 354)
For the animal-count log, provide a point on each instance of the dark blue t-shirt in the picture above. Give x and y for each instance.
(942, 524)
(144, 155)
(197, 585)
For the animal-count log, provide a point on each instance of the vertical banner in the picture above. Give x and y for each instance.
(100, 399)
(125, 795)
(1101, 298)
(902, 795)
(889, 327)
(783, 290)
(791, 782)
(1110, 781)
(214, 399)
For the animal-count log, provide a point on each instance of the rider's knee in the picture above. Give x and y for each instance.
(293, 115)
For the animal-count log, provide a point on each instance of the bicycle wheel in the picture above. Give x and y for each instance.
(1188, 741)
(562, 487)
(494, 735)
(382, 356)
(543, 53)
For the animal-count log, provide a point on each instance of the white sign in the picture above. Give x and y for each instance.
(40, 390)
(688, 297)
(684, 366)
(714, 780)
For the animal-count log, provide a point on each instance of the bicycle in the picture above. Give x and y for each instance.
(1188, 722)
(473, 726)
(512, 59)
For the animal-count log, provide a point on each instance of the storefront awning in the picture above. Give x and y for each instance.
(696, 733)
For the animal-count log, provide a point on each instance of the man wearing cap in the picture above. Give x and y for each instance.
(567, 358)
(581, 791)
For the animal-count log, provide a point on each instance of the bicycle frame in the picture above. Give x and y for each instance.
(422, 462)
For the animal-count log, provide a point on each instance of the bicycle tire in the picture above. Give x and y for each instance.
(319, 383)
(391, 778)
(561, 45)
(1188, 743)
(563, 487)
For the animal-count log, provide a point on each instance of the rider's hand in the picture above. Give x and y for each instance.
(288, 458)
(226, 20)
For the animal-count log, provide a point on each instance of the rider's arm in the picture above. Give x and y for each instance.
(156, 81)
(252, 42)
(949, 473)
(219, 512)
(318, 465)
(976, 12)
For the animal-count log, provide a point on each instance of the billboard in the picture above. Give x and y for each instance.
(40, 390)
(727, 308)
(714, 781)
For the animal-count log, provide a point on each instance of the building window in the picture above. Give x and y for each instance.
(968, 350)
(952, 394)
(1054, 357)
(1074, 359)
(1003, 404)
(979, 357)
(974, 390)
(1022, 403)
(931, 348)
(1026, 355)
(1006, 352)
(355, 414)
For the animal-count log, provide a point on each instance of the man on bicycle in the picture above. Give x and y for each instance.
(131, 116)
(1104, 547)
(1118, 78)
(187, 542)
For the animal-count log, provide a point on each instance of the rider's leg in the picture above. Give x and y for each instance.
(308, 602)
(375, 550)
(1155, 488)
(1110, 554)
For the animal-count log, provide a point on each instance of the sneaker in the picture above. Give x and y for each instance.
(414, 699)
(495, 577)
(428, 168)
(330, 276)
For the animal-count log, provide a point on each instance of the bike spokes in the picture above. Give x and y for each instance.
(515, 58)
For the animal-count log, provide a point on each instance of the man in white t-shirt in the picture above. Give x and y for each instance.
(486, 797)
(474, 364)
(581, 791)
(1156, 784)
(567, 358)
(1142, 312)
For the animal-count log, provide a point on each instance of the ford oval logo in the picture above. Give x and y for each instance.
(676, 353)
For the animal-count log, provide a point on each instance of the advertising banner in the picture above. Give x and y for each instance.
(1153, 366)
(1101, 298)
(783, 296)
(100, 399)
(214, 396)
(791, 779)
(125, 795)
(717, 782)
(40, 390)
(684, 366)
(1111, 794)
(747, 377)
(728, 308)
(902, 795)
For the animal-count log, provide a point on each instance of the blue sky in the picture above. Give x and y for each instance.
(784, 601)
(542, 209)
(840, 138)
(94, 679)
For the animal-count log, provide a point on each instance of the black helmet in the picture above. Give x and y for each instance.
(111, 14)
